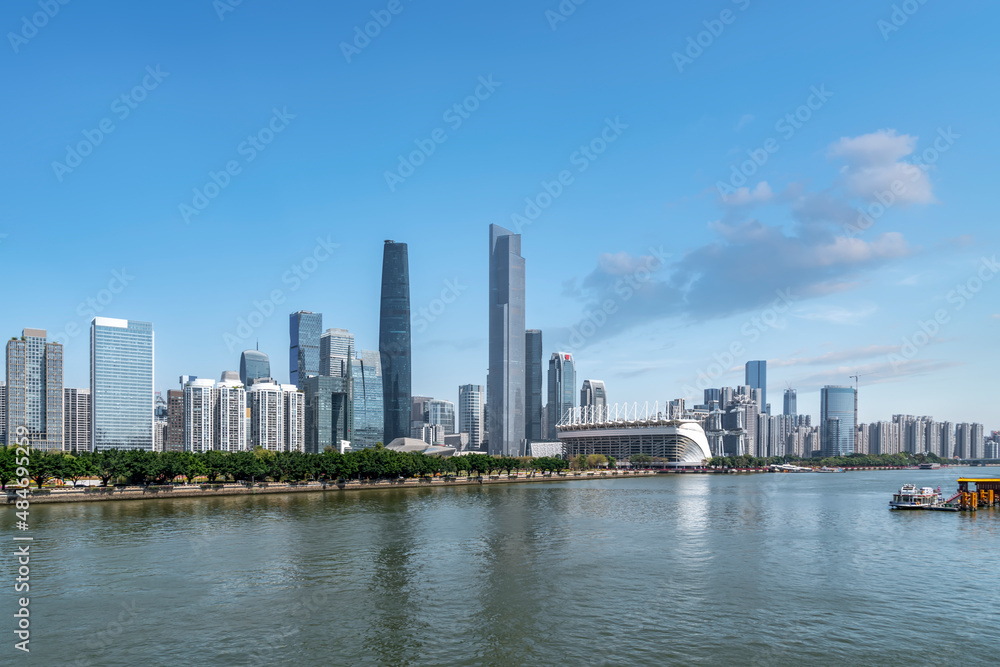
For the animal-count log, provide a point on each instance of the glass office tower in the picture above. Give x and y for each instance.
(394, 341)
(790, 406)
(756, 378)
(329, 417)
(505, 384)
(121, 384)
(533, 382)
(562, 389)
(254, 365)
(336, 352)
(836, 421)
(304, 330)
(369, 413)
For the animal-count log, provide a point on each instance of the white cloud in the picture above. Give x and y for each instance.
(745, 195)
(875, 166)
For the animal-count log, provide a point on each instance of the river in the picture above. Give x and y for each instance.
(695, 570)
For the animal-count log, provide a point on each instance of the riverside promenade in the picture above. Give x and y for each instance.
(81, 494)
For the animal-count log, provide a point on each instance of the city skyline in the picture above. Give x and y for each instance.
(801, 268)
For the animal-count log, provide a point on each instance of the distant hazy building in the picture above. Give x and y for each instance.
(441, 412)
(394, 340)
(304, 330)
(562, 388)
(76, 420)
(756, 377)
(790, 407)
(329, 415)
(470, 414)
(369, 412)
(336, 353)
(254, 364)
(506, 391)
(121, 384)
(533, 375)
(837, 428)
(594, 395)
(35, 389)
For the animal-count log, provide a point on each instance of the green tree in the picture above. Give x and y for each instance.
(8, 465)
(640, 460)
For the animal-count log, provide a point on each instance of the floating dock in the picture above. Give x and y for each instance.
(984, 493)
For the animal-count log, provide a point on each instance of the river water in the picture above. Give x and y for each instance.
(695, 570)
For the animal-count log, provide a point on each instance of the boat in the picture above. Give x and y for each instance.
(929, 466)
(825, 469)
(909, 497)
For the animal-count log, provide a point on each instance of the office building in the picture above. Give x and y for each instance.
(76, 420)
(230, 418)
(336, 353)
(254, 365)
(837, 428)
(329, 415)
(470, 414)
(304, 330)
(756, 377)
(593, 395)
(441, 413)
(369, 413)
(790, 407)
(533, 374)
(562, 388)
(418, 414)
(505, 384)
(121, 384)
(35, 389)
(394, 340)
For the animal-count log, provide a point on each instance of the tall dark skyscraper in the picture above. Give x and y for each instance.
(790, 407)
(304, 331)
(562, 389)
(533, 382)
(505, 384)
(394, 340)
(756, 376)
(836, 420)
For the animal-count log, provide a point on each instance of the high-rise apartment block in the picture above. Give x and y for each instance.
(470, 414)
(35, 389)
(277, 417)
(76, 420)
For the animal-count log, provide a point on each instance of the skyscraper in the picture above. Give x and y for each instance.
(790, 406)
(441, 412)
(533, 385)
(230, 418)
(277, 417)
(756, 377)
(35, 389)
(121, 384)
(336, 353)
(3, 413)
(199, 415)
(304, 329)
(562, 389)
(369, 412)
(506, 392)
(394, 341)
(175, 421)
(254, 364)
(593, 394)
(76, 420)
(470, 413)
(836, 421)
(329, 415)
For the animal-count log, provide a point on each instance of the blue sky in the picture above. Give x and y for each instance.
(648, 238)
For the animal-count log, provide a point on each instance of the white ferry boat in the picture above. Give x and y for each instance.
(909, 497)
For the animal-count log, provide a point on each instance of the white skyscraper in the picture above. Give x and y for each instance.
(230, 416)
(199, 415)
(470, 414)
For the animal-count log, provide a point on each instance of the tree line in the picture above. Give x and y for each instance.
(141, 467)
